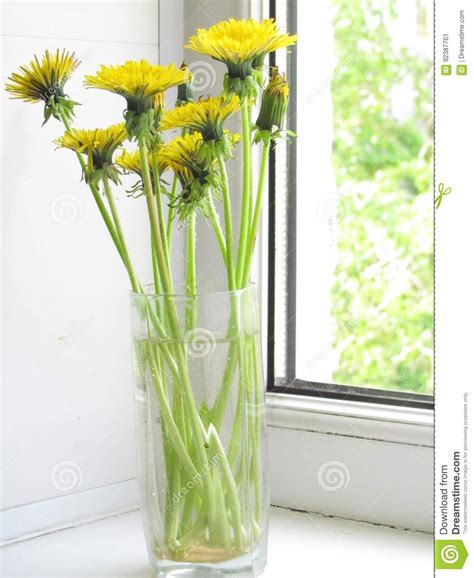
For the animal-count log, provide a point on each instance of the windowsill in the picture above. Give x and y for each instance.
(372, 421)
(351, 459)
(301, 544)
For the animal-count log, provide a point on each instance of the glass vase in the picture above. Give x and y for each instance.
(201, 432)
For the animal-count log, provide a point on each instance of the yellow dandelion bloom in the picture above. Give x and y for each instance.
(195, 169)
(182, 156)
(39, 81)
(278, 85)
(205, 116)
(130, 162)
(240, 43)
(158, 102)
(137, 80)
(98, 144)
(44, 82)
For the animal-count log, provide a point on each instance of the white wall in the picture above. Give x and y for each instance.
(67, 388)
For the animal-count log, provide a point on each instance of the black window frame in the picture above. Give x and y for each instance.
(292, 385)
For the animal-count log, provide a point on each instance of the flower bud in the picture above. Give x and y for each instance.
(274, 103)
(186, 89)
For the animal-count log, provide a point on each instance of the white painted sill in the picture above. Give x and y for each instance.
(378, 422)
(353, 460)
(300, 545)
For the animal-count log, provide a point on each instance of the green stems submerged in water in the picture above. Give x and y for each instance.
(196, 454)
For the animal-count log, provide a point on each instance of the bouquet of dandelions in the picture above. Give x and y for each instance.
(211, 504)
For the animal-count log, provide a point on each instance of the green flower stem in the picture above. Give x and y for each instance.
(171, 207)
(163, 264)
(229, 482)
(247, 448)
(229, 237)
(156, 230)
(191, 284)
(220, 404)
(141, 357)
(192, 501)
(256, 402)
(256, 216)
(159, 208)
(95, 193)
(223, 526)
(169, 454)
(246, 193)
(191, 255)
(173, 487)
(168, 419)
(250, 107)
(222, 396)
(190, 504)
(178, 478)
(171, 211)
(234, 443)
(214, 217)
(195, 529)
(156, 274)
(118, 227)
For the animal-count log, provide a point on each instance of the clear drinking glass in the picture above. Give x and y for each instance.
(201, 432)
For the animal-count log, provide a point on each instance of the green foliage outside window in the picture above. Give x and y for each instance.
(383, 291)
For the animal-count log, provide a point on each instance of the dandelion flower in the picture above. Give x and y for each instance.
(99, 145)
(139, 82)
(242, 45)
(44, 82)
(274, 103)
(130, 163)
(205, 116)
(196, 174)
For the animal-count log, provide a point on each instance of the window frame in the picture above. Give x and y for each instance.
(291, 384)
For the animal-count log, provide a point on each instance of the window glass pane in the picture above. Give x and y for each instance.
(363, 288)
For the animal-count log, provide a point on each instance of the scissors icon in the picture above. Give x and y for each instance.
(442, 193)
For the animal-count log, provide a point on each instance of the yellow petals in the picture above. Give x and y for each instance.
(39, 81)
(130, 162)
(137, 79)
(181, 155)
(205, 116)
(238, 41)
(98, 144)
